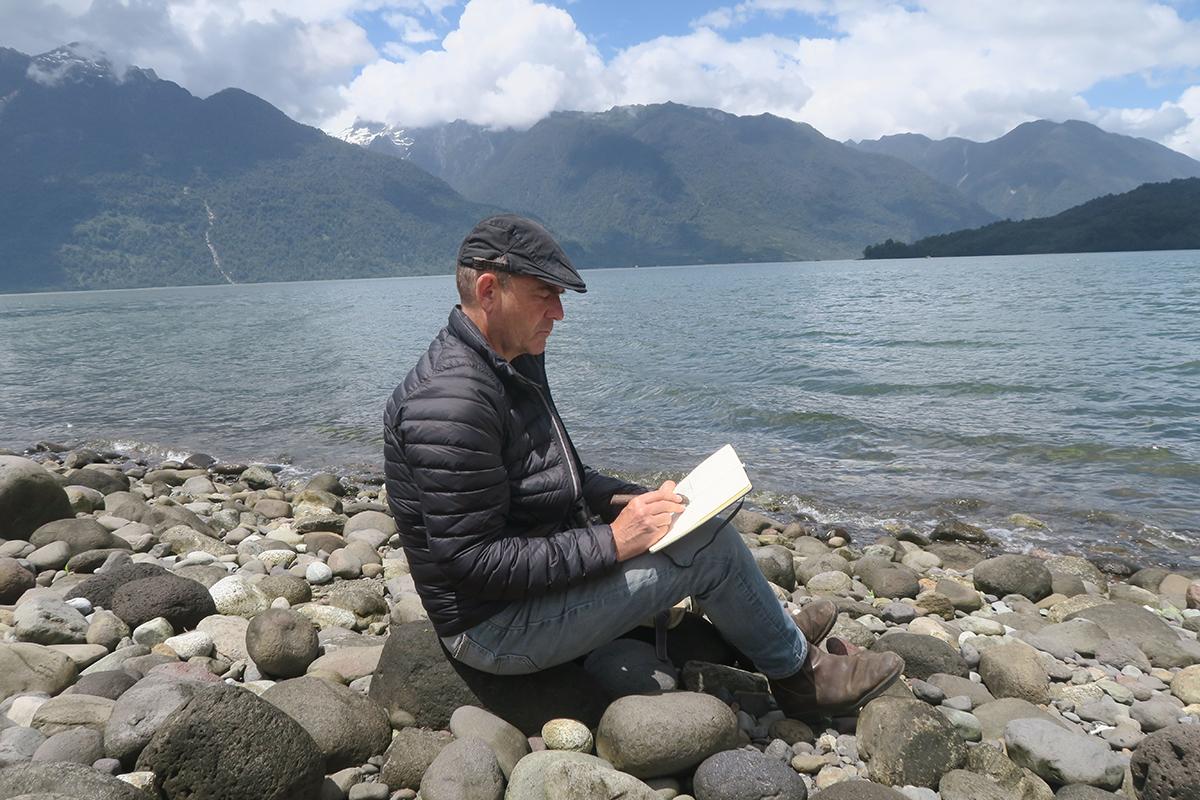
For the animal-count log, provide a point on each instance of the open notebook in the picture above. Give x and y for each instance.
(717, 483)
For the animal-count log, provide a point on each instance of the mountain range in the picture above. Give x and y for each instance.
(673, 184)
(1038, 168)
(116, 178)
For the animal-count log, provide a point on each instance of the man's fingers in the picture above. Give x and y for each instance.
(664, 506)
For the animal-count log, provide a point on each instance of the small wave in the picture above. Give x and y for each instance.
(952, 389)
(352, 433)
(1186, 368)
(135, 447)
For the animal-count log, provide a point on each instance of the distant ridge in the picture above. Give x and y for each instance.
(675, 184)
(1038, 168)
(1155, 216)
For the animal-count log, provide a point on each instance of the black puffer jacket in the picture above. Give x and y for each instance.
(491, 499)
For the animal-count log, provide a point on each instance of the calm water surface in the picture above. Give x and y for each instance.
(1066, 387)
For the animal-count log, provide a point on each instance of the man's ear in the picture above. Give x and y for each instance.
(487, 287)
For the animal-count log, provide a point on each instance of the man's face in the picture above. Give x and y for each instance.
(523, 316)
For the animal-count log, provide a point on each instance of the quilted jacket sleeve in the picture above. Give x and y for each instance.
(599, 489)
(451, 433)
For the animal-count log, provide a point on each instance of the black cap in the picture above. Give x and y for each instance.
(509, 243)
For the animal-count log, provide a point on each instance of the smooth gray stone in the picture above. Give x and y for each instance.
(408, 756)
(506, 741)
(18, 744)
(466, 769)
(74, 780)
(138, 714)
(746, 775)
(77, 745)
(49, 621)
(650, 736)
(347, 727)
(1062, 757)
(27, 667)
(959, 784)
(954, 686)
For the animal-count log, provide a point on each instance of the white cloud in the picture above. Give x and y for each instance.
(939, 67)
(702, 68)
(294, 53)
(410, 28)
(509, 63)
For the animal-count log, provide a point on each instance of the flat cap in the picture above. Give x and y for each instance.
(510, 243)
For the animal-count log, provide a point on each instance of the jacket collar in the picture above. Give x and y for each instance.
(527, 367)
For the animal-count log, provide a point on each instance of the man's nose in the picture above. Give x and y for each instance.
(556, 308)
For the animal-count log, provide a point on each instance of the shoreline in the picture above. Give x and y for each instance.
(1081, 532)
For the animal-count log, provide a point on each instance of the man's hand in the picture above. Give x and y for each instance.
(645, 520)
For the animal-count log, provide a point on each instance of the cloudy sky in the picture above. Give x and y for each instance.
(852, 68)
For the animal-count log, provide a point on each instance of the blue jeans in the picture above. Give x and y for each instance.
(712, 565)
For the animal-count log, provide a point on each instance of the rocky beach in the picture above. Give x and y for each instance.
(202, 629)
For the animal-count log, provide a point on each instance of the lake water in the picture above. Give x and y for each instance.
(1066, 387)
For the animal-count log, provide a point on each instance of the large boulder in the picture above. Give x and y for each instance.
(347, 727)
(654, 735)
(1166, 765)
(908, 743)
(1128, 621)
(228, 743)
(80, 535)
(64, 778)
(181, 601)
(99, 589)
(923, 655)
(27, 667)
(30, 496)
(1061, 757)
(1014, 574)
(416, 677)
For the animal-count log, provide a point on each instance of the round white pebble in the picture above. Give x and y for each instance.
(318, 573)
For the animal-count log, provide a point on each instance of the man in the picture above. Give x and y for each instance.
(524, 557)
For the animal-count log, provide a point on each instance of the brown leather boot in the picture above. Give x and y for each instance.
(832, 685)
(816, 620)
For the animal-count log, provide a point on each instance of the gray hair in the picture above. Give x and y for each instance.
(465, 278)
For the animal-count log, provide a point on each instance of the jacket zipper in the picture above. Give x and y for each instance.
(568, 453)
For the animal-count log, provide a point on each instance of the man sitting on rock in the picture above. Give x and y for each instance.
(524, 557)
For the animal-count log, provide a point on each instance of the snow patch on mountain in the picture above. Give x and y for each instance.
(80, 62)
(378, 136)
